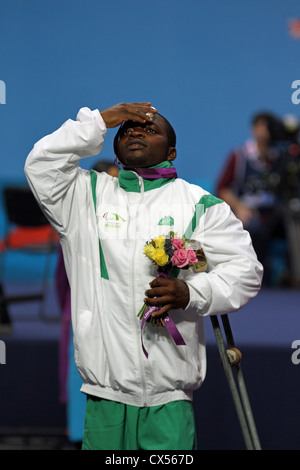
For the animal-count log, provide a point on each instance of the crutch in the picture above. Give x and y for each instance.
(231, 357)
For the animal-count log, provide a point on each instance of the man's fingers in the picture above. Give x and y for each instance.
(162, 311)
(171, 292)
(157, 300)
(156, 292)
(145, 105)
(139, 112)
(161, 281)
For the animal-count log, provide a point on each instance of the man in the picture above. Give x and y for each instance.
(248, 183)
(134, 401)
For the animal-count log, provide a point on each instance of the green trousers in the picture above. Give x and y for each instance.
(114, 426)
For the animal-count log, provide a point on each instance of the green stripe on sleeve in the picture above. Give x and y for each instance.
(206, 201)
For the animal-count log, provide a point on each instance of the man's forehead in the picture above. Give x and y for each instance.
(157, 121)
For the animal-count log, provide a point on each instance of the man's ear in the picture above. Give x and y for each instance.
(172, 154)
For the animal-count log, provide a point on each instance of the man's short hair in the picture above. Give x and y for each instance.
(170, 132)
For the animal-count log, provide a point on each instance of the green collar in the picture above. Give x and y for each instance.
(129, 180)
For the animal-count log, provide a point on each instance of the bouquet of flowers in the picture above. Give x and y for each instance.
(171, 253)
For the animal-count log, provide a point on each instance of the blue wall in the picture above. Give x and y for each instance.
(207, 66)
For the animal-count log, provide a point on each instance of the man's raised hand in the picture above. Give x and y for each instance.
(138, 112)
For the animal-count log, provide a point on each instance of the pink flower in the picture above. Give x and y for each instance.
(191, 256)
(182, 258)
(176, 243)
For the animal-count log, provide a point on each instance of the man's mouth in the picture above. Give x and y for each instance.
(136, 144)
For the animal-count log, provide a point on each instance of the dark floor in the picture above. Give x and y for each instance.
(32, 418)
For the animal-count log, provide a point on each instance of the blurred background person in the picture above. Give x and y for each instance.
(108, 166)
(249, 183)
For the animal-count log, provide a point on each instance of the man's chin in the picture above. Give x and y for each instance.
(134, 161)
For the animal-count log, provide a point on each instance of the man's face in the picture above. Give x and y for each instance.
(261, 131)
(144, 145)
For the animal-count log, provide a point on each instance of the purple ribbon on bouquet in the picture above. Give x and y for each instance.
(168, 322)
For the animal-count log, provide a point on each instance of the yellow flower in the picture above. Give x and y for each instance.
(149, 251)
(159, 242)
(160, 257)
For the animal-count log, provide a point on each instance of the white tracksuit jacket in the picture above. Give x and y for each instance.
(108, 279)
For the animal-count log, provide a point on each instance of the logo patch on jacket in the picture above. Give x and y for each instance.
(113, 219)
(166, 220)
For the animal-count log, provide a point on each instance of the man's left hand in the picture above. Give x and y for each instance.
(167, 294)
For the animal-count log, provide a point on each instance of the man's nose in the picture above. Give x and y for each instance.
(137, 132)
